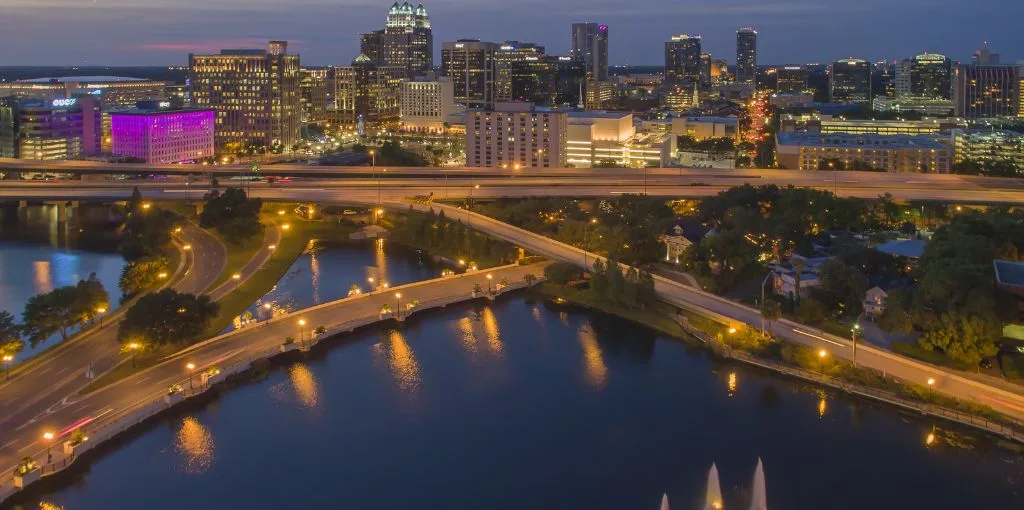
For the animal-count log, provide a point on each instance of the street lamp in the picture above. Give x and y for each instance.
(48, 437)
(853, 336)
(100, 311)
(469, 204)
(302, 330)
(822, 353)
(132, 349)
(372, 288)
(8, 358)
(931, 382)
(191, 367)
(398, 305)
(267, 311)
(586, 242)
(489, 278)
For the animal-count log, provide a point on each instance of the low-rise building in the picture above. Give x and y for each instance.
(814, 123)
(875, 300)
(789, 100)
(935, 107)
(595, 138)
(111, 90)
(702, 127)
(516, 135)
(155, 133)
(988, 146)
(890, 153)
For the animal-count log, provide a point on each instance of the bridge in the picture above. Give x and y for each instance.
(112, 409)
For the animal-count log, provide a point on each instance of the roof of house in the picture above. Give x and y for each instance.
(1009, 272)
(912, 248)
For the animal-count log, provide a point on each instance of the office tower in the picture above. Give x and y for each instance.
(508, 54)
(682, 59)
(256, 94)
(590, 45)
(927, 76)
(746, 56)
(157, 133)
(987, 91)
(470, 65)
(425, 105)
(365, 95)
(719, 70)
(550, 81)
(598, 94)
(984, 57)
(791, 79)
(515, 135)
(315, 94)
(850, 81)
(51, 129)
(111, 90)
(406, 42)
(705, 69)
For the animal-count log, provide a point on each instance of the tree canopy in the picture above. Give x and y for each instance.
(233, 214)
(62, 309)
(167, 317)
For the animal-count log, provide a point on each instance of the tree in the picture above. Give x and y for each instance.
(167, 317)
(842, 288)
(798, 273)
(139, 275)
(896, 317)
(963, 338)
(811, 312)
(233, 214)
(62, 309)
(10, 335)
(147, 233)
(560, 273)
(770, 311)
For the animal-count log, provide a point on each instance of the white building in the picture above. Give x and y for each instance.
(704, 127)
(596, 138)
(516, 134)
(427, 105)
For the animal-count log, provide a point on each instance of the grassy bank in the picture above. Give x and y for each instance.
(293, 242)
(658, 318)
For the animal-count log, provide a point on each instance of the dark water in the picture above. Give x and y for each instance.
(38, 254)
(520, 404)
(327, 271)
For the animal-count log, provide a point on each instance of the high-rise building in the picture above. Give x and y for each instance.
(470, 64)
(156, 133)
(505, 57)
(406, 42)
(719, 70)
(365, 95)
(791, 79)
(50, 130)
(426, 105)
(682, 59)
(315, 93)
(598, 94)
(746, 56)
(256, 94)
(515, 135)
(987, 91)
(550, 81)
(984, 57)
(590, 45)
(850, 81)
(927, 76)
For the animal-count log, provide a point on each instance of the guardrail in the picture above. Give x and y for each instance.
(56, 458)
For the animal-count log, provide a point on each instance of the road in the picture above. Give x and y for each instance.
(682, 183)
(24, 438)
(52, 381)
(1007, 399)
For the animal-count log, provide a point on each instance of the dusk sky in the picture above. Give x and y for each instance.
(163, 32)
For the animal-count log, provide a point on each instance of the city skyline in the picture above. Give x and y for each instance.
(155, 32)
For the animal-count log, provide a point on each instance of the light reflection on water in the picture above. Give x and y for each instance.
(595, 370)
(401, 360)
(194, 443)
(305, 385)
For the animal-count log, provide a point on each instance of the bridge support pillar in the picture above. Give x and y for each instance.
(62, 212)
(199, 208)
(22, 204)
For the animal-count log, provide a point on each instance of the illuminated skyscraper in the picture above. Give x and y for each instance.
(406, 42)
(926, 76)
(256, 94)
(682, 59)
(590, 45)
(506, 56)
(988, 91)
(791, 79)
(850, 81)
(470, 65)
(746, 56)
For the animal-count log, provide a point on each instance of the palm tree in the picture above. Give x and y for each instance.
(529, 278)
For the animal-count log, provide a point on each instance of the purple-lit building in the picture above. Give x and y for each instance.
(155, 133)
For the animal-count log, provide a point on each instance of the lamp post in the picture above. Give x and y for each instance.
(931, 382)
(489, 278)
(191, 367)
(48, 437)
(398, 305)
(586, 242)
(302, 330)
(132, 349)
(469, 205)
(8, 358)
(100, 311)
(267, 311)
(853, 336)
(762, 299)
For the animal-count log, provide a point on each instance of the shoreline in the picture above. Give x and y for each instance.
(685, 331)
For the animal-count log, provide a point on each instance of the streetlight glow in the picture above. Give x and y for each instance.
(161, 275)
(732, 331)
(302, 322)
(286, 226)
(190, 366)
(822, 353)
(187, 247)
(48, 436)
(280, 212)
(931, 381)
(236, 276)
